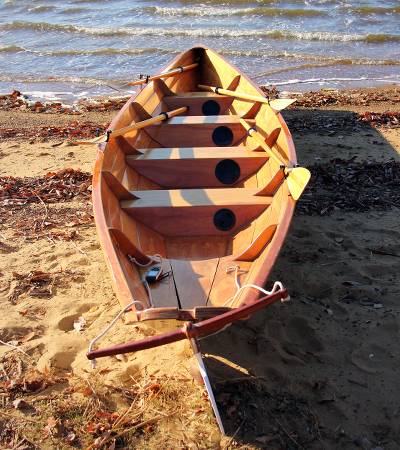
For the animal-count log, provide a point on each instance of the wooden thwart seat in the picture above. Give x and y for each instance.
(190, 167)
(179, 153)
(192, 198)
(190, 212)
(202, 120)
(179, 131)
(199, 103)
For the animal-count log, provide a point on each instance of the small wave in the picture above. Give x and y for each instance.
(387, 79)
(37, 79)
(202, 33)
(41, 8)
(74, 10)
(262, 53)
(103, 52)
(375, 10)
(209, 11)
(306, 56)
(12, 49)
(329, 63)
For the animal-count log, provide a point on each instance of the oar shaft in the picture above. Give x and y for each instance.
(254, 134)
(241, 95)
(148, 122)
(168, 74)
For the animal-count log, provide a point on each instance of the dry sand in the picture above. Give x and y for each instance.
(321, 372)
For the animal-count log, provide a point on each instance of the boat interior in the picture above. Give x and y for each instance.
(196, 190)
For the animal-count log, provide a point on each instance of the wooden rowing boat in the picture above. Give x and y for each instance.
(197, 177)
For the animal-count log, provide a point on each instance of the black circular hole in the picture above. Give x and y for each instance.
(211, 108)
(222, 136)
(224, 219)
(227, 171)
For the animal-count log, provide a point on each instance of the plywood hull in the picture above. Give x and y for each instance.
(195, 190)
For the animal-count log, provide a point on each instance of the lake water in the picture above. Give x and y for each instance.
(66, 50)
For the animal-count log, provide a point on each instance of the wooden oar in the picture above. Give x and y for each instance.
(168, 74)
(135, 126)
(278, 105)
(297, 177)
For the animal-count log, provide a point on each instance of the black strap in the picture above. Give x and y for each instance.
(251, 129)
(147, 78)
(217, 90)
(181, 69)
(108, 135)
(165, 114)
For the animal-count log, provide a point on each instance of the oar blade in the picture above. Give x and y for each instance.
(94, 141)
(281, 103)
(207, 384)
(298, 179)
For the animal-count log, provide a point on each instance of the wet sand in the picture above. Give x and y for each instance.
(318, 372)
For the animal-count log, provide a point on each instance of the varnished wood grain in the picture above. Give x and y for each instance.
(178, 223)
(193, 280)
(257, 245)
(193, 167)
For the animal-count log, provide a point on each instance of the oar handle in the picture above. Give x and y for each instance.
(240, 95)
(191, 331)
(145, 123)
(168, 74)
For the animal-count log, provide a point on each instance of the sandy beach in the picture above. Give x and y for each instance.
(320, 372)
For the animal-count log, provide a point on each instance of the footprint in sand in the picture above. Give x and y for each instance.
(61, 354)
(300, 332)
(67, 323)
(370, 358)
(16, 334)
(376, 270)
(6, 248)
(301, 233)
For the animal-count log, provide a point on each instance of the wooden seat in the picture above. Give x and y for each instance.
(190, 212)
(179, 131)
(190, 167)
(200, 103)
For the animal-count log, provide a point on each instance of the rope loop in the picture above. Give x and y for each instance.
(230, 302)
(111, 324)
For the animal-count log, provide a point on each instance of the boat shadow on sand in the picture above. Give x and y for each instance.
(320, 371)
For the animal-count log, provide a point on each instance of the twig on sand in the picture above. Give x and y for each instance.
(288, 434)
(377, 251)
(239, 380)
(79, 249)
(227, 445)
(45, 209)
(107, 438)
(14, 347)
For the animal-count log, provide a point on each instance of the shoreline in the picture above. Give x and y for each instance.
(320, 371)
(115, 101)
(22, 118)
